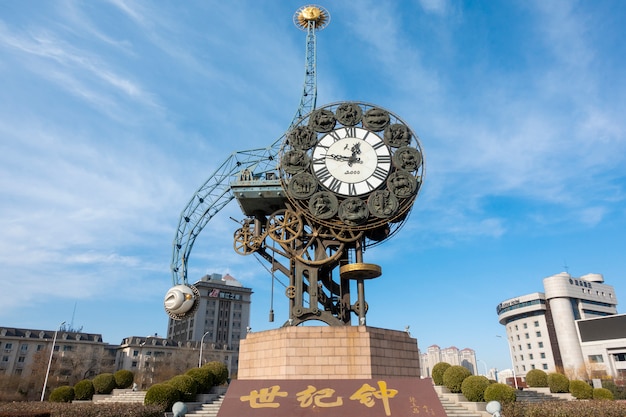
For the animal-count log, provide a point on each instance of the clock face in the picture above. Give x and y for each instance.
(352, 167)
(351, 161)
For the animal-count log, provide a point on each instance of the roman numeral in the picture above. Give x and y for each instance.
(323, 174)
(379, 144)
(384, 159)
(335, 135)
(350, 132)
(352, 189)
(380, 173)
(334, 185)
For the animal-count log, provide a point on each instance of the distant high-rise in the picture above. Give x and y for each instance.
(452, 355)
(543, 328)
(222, 317)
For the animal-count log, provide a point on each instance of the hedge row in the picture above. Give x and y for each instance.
(101, 384)
(185, 387)
(478, 388)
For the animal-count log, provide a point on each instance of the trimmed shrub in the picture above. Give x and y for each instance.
(453, 377)
(219, 371)
(438, 371)
(84, 390)
(619, 393)
(104, 383)
(123, 378)
(602, 394)
(558, 383)
(203, 377)
(473, 387)
(580, 390)
(64, 394)
(536, 378)
(186, 386)
(163, 395)
(500, 392)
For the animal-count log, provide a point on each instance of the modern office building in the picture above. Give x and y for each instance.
(452, 355)
(222, 318)
(542, 328)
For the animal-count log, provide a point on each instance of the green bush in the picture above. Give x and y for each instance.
(186, 386)
(64, 394)
(163, 395)
(500, 392)
(438, 371)
(558, 383)
(84, 390)
(123, 378)
(104, 383)
(203, 377)
(602, 394)
(580, 390)
(619, 393)
(453, 377)
(219, 371)
(473, 388)
(536, 378)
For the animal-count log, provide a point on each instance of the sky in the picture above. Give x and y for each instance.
(113, 113)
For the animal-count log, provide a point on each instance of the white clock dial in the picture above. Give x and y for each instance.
(351, 161)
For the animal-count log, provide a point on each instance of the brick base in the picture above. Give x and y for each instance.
(328, 352)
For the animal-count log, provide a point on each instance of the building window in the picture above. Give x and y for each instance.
(596, 359)
(516, 328)
(521, 357)
(67, 348)
(523, 367)
(5, 359)
(540, 344)
(134, 364)
(536, 324)
(135, 353)
(543, 355)
(545, 366)
(529, 346)
(517, 337)
(519, 347)
(526, 336)
(24, 348)
(525, 326)
(530, 356)
(619, 357)
(538, 334)
(8, 346)
(39, 348)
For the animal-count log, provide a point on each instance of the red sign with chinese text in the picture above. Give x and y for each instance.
(332, 398)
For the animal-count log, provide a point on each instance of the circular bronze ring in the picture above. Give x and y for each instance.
(360, 271)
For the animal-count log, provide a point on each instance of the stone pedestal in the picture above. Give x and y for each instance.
(324, 352)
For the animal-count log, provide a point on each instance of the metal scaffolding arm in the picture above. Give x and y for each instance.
(210, 198)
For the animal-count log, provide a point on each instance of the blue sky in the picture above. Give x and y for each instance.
(113, 113)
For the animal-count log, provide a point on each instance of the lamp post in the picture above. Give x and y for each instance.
(512, 363)
(201, 344)
(54, 341)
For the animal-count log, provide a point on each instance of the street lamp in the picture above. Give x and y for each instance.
(512, 363)
(54, 341)
(201, 344)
